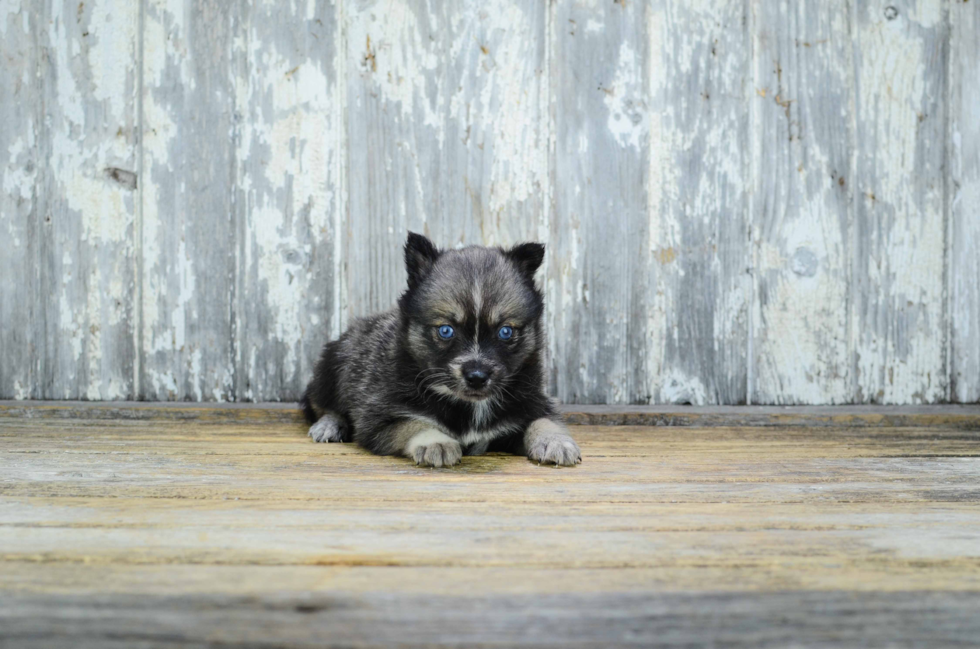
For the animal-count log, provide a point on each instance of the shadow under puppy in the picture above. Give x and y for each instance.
(456, 368)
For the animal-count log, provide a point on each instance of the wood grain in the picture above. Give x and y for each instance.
(19, 169)
(699, 290)
(802, 98)
(759, 202)
(810, 619)
(598, 285)
(87, 198)
(950, 417)
(219, 532)
(289, 200)
(446, 110)
(190, 218)
(898, 242)
(963, 265)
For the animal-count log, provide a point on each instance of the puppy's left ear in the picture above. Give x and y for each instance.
(420, 254)
(527, 257)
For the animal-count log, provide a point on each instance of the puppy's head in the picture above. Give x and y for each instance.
(473, 316)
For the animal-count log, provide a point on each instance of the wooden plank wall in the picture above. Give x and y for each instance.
(20, 123)
(963, 202)
(745, 201)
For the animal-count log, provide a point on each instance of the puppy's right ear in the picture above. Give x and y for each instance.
(527, 257)
(420, 254)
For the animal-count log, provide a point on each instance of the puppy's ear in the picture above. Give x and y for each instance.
(420, 254)
(527, 257)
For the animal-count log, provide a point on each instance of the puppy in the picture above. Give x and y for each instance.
(457, 368)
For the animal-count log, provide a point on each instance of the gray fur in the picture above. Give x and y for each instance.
(432, 447)
(548, 442)
(402, 389)
(330, 427)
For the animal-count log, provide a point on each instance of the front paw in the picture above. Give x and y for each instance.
(558, 449)
(329, 428)
(547, 443)
(438, 454)
(431, 447)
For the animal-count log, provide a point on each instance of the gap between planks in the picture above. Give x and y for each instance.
(965, 417)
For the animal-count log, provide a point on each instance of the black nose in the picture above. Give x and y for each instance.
(476, 375)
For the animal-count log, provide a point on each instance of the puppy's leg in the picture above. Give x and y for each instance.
(330, 427)
(548, 442)
(319, 402)
(427, 445)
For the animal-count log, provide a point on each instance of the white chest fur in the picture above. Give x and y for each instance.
(475, 436)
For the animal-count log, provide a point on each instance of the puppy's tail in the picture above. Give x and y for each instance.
(307, 407)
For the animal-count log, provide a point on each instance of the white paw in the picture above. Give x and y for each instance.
(434, 448)
(438, 454)
(328, 428)
(554, 448)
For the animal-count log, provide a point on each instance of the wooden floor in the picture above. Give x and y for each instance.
(238, 531)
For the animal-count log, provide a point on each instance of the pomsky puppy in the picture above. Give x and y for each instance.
(457, 368)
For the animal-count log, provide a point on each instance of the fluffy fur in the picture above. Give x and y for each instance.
(395, 386)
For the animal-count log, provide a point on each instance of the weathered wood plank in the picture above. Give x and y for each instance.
(20, 122)
(623, 537)
(802, 101)
(718, 495)
(963, 261)
(726, 619)
(36, 580)
(963, 417)
(181, 532)
(198, 464)
(446, 105)
(189, 226)
(959, 417)
(239, 265)
(697, 306)
(290, 200)
(598, 277)
(898, 311)
(87, 198)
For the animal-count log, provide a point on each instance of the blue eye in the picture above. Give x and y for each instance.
(446, 332)
(506, 333)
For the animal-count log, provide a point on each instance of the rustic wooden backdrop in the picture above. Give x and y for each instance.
(745, 201)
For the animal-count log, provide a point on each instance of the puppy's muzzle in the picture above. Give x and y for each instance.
(476, 375)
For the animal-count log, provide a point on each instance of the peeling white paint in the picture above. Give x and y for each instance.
(899, 336)
(113, 26)
(163, 335)
(93, 382)
(77, 163)
(18, 178)
(628, 119)
(677, 388)
(963, 268)
(927, 13)
(90, 100)
(164, 29)
(663, 232)
(291, 200)
(698, 294)
(892, 76)
(9, 11)
(396, 55)
(494, 100)
(71, 326)
(802, 316)
(464, 92)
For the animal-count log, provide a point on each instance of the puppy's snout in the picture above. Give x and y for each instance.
(476, 375)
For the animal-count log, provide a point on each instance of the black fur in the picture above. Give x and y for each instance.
(381, 371)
